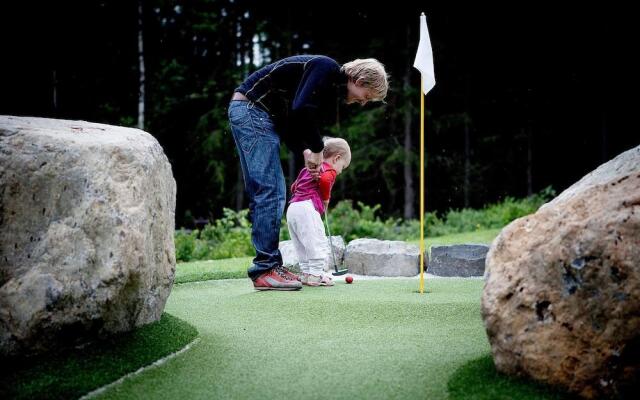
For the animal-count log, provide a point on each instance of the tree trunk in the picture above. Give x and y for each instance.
(467, 142)
(604, 137)
(55, 93)
(249, 31)
(141, 69)
(467, 161)
(409, 192)
(529, 161)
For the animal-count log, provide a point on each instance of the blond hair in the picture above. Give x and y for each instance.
(333, 146)
(372, 74)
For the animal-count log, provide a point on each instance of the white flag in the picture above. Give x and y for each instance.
(424, 57)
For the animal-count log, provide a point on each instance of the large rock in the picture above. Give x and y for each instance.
(290, 258)
(382, 258)
(463, 260)
(86, 231)
(561, 303)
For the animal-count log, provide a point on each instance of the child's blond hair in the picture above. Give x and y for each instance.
(372, 74)
(333, 146)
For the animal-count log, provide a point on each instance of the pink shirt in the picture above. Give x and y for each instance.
(316, 190)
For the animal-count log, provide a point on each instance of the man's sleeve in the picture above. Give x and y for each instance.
(327, 179)
(306, 115)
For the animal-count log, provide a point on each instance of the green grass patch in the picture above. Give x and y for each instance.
(228, 268)
(484, 236)
(479, 380)
(73, 373)
(375, 339)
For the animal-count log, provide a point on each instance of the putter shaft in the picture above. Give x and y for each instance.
(333, 254)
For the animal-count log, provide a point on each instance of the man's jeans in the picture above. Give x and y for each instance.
(258, 146)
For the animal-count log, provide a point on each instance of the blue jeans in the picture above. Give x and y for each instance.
(258, 146)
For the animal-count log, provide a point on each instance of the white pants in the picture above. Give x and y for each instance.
(307, 234)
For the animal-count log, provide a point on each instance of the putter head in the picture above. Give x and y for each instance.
(340, 272)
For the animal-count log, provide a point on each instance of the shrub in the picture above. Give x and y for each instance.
(352, 223)
(185, 242)
(230, 236)
(494, 215)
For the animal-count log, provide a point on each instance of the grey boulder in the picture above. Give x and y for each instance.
(87, 225)
(464, 260)
(382, 258)
(561, 302)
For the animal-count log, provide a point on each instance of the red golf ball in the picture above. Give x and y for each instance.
(348, 279)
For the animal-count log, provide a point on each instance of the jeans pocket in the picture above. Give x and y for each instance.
(239, 115)
(242, 127)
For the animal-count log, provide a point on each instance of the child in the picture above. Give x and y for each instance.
(310, 199)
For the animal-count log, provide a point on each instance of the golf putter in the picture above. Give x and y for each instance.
(335, 265)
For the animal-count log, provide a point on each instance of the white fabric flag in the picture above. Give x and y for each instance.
(424, 57)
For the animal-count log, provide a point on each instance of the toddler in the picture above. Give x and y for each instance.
(310, 199)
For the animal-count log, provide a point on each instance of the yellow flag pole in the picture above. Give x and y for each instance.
(421, 185)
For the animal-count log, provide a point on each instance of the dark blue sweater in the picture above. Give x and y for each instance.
(302, 94)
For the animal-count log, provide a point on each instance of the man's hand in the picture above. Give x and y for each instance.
(313, 162)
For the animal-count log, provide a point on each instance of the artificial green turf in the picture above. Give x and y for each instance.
(479, 380)
(212, 269)
(484, 236)
(73, 373)
(375, 339)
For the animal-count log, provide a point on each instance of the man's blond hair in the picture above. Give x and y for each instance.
(333, 146)
(372, 73)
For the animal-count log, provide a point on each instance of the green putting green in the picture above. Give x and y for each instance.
(371, 339)
(479, 380)
(71, 373)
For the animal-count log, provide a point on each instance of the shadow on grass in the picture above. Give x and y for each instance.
(73, 373)
(479, 380)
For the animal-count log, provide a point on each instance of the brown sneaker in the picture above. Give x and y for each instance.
(275, 279)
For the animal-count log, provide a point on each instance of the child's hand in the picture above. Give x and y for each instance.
(326, 204)
(313, 162)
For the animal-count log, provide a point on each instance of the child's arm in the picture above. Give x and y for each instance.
(327, 179)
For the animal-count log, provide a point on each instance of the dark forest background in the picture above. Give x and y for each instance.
(527, 97)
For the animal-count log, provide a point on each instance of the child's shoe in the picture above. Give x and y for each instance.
(319, 280)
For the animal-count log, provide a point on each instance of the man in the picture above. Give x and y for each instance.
(290, 100)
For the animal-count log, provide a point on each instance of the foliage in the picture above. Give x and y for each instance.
(494, 215)
(230, 236)
(185, 242)
(361, 221)
(490, 132)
